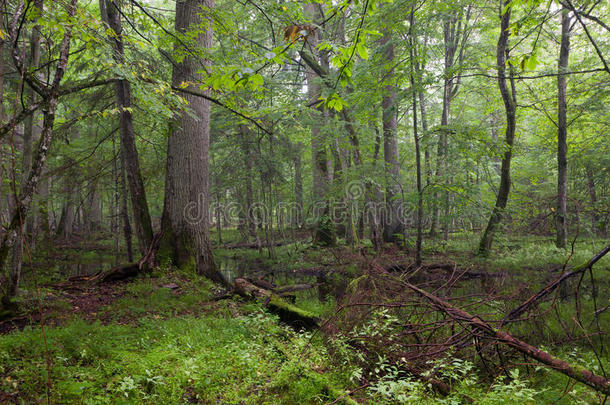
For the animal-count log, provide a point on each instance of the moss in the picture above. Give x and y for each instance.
(291, 314)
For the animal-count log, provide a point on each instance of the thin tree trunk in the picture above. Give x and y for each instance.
(125, 213)
(29, 186)
(247, 151)
(562, 133)
(420, 204)
(510, 102)
(26, 230)
(2, 196)
(374, 194)
(115, 212)
(110, 11)
(298, 185)
(185, 221)
(43, 207)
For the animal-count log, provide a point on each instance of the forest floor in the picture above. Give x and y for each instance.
(164, 338)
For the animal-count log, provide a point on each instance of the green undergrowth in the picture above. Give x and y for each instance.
(234, 353)
(520, 253)
(164, 340)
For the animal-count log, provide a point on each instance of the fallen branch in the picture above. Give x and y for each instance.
(578, 373)
(449, 268)
(552, 286)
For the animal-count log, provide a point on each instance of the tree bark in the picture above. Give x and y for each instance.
(246, 149)
(562, 133)
(455, 34)
(510, 105)
(110, 11)
(391, 221)
(185, 222)
(25, 231)
(324, 230)
(125, 213)
(298, 185)
(420, 204)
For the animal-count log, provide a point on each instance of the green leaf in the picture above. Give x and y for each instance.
(532, 62)
(363, 52)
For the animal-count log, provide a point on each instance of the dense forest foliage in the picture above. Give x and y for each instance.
(304, 201)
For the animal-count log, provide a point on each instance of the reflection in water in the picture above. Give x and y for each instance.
(86, 269)
(231, 268)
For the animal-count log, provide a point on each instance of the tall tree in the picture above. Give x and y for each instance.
(185, 220)
(324, 232)
(562, 131)
(389, 105)
(455, 34)
(26, 230)
(111, 14)
(414, 93)
(509, 97)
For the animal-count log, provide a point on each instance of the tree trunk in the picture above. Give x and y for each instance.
(26, 230)
(287, 312)
(247, 151)
(110, 11)
(29, 186)
(66, 221)
(420, 204)
(510, 102)
(43, 207)
(373, 195)
(94, 215)
(324, 231)
(391, 221)
(298, 186)
(125, 213)
(455, 34)
(185, 222)
(562, 133)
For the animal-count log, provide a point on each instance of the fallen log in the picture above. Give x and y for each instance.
(287, 312)
(578, 373)
(146, 263)
(552, 286)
